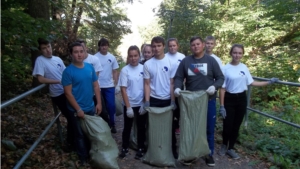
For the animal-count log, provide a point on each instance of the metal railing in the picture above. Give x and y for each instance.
(56, 119)
(265, 114)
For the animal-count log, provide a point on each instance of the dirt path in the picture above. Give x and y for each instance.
(222, 162)
(26, 120)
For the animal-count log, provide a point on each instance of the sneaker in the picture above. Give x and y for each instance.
(223, 150)
(232, 154)
(139, 154)
(177, 131)
(113, 130)
(210, 161)
(123, 154)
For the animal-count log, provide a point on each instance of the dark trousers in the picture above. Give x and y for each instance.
(164, 103)
(81, 141)
(176, 113)
(141, 121)
(104, 113)
(236, 107)
(210, 124)
(109, 99)
(61, 102)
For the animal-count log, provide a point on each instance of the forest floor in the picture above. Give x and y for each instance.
(23, 122)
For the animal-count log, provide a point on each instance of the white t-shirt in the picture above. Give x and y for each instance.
(132, 77)
(217, 59)
(237, 78)
(94, 61)
(108, 63)
(50, 68)
(175, 58)
(159, 72)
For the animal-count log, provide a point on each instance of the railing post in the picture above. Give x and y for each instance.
(248, 104)
(59, 128)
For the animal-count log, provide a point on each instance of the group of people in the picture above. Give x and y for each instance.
(77, 89)
(154, 81)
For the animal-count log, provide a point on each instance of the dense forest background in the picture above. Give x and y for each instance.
(269, 30)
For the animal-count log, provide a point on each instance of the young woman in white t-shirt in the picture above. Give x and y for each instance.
(233, 98)
(131, 81)
(147, 53)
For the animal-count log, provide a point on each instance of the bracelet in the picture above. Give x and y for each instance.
(79, 110)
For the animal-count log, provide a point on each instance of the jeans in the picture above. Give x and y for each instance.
(109, 99)
(210, 125)
(81, 141)
(141, 121)
(61, 102)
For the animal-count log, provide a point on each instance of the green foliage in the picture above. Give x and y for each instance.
(19, 36)
(270, 32)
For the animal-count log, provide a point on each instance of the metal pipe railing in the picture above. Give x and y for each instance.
(264, 114)
(56, 119)
(275, 118)
(25, 156)
(21, 96)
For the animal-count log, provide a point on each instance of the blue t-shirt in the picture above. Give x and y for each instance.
(81, 80)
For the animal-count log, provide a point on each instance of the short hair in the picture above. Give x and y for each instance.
(72, 45)
(42, 41)
(173, 39)
(210, 38)
(195, 38)
(80, 41)
(158, 39)
(145, 45)
(236, 46)
(133, 47)
(103, 42)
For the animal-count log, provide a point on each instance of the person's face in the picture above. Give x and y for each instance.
(78, 54)
(103, 49)
(173, 47)
(197, 46)
(133, 57)
(209, 45)
(157, 48)
(46, 50)
(85, 48)
(236, 54)
(147, 52)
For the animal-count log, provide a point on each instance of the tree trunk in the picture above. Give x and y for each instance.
(38, 9)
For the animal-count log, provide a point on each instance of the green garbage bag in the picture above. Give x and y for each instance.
(159, 152)
(119, 107)
(104, 150)
(193, 118)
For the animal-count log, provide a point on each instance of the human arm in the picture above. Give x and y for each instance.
(42, 79)
(72, 101)
(98, 97)
(147, 89)
(115, 76)
(217, 74)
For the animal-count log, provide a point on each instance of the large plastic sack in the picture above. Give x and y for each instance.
(159, 152)
(119, 107)
(193, 118)
(104, 150)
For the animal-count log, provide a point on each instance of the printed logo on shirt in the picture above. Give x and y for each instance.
(242, 73)
(59, 66)
(108, 61)
(141, 74)
(178, 61)
(165, 69)
(197, 68)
